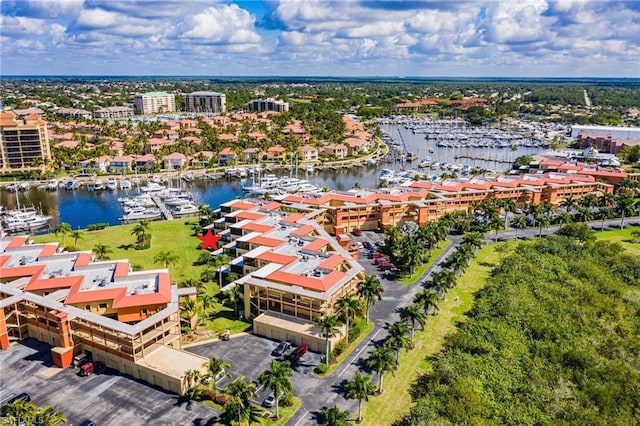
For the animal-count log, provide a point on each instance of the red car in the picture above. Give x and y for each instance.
(357, 232)
(386, 265)
(297, 353)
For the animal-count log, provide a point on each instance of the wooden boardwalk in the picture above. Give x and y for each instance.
(163, 209)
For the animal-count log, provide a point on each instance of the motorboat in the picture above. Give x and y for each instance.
(152, 187)
(139, 214)
(52, 185)
(188, 177)
(69, 185)
(97, 185)
(12, 187)
(112, 184)
(125, 185)
(185, 210)
(177, 201)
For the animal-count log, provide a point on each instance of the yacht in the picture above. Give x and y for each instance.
(152, 187)
(177, 201)
(188, 177)
(308, 169)
(52, 185)
(112, 184)
(125, 184)
(139, 214)
(97, 185)
(12, 187)
(69, 185)
(185, 210)
(265, 183)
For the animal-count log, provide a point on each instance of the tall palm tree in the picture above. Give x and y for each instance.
(603, 214)
(534, 211)
(456, 261)
(191, 307)
(382, 359)
(543, 222)
(607, 199)
(241, 393)
(399, 337)
(48, 416)
(584, 214)
(413, 314)
(360, 388)
(219, 262)
(509, 206)
(497, 224)
(278, 379)
(569, 203)
(624, 207)
(474, 239)
(370, 290)
(140, 231)
(217, 367)
(192, 379)
(328, 325)
(563, 218)
(63, 229)
(519, 222)
(334, 416)
(589, 200)
(101, 251)
(76, 235)
(427, 300)
(234, 295)
(166, 258)
(349, 306)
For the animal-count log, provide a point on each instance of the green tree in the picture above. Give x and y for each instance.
(76, 235)
(399, 337)
(382, 359)
(166, 258)
(278, 379)
(219, 262)
(427, 300)
(63, 229)
(240, 392)
(140, 232)
(349, 308)
(519, 222)
(360, 388)
(101, 251)
(233, 296)
(496, 224)
(412, 314)
(190, 307)
(334, 416)
(192, 379)
(543, 222)
(29, 414)
(624, 207)
(370, 290)
(216, 368)
(328, 325)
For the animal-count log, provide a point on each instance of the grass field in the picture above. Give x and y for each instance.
(166, 235)
(622, 236)
(395, 401)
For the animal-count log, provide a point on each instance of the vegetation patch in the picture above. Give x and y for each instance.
(419, 270)
(344, 349)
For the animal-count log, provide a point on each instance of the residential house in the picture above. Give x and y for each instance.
(337, 150)
(276, 154)
(145, 162)
(155, 144)
(308, 153)
(121, 164)
(97, 164)
(174, 161)
(226, 156)
(251, 155)
(201, 159)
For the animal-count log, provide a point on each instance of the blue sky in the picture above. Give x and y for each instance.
(515, 38)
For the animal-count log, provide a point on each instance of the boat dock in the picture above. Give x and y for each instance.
(477, 157)
(163, 209)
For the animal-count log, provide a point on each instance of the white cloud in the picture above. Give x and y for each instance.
(221, 23)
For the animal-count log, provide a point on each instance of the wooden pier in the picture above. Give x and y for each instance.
(163, 209)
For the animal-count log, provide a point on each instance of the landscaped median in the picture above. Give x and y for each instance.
(346, 351)
(419, 270)
(395, 402)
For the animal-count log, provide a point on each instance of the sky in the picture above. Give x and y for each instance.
(422, 38)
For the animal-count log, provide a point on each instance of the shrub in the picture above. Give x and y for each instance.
(208, 395)
(320, 368)
(340, 347)
(355, 330)
(220, 399)
(96, 226)
(287, 399)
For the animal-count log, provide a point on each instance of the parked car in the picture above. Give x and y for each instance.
(79, 359)
(269, 401)
(367, 245)
(357, 232)
(386, 265)
(24, 397)
(87, 422)
(297, 353)
(91, 367)
(380, 243)
(281, 348)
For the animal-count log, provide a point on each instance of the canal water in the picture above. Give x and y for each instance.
(80, 207)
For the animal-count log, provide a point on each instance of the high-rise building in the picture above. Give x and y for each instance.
(212, 102)
(24, 139)
(155, 102)
(259, 105)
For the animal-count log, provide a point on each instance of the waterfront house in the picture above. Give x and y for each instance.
(201, 159)
(96, 164)
(155, 144)
(226, 156)
(336, 150)
(174, 161)
(308, 153)
(145, 162)
(121, 164)
(251, 155)
(276, 154)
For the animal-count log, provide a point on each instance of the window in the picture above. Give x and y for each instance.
(46, 293)
(87, 307)
(144, 311)
(102, 306)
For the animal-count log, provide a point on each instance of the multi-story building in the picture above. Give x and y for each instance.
(155, 103)
(210, 102)
(25, 142)
(128, 320)
(114, 112)
(292, 270)
(74, 113)
(270, 104)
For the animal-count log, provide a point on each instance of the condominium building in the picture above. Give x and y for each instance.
(128, 320)
(270, 104)
(210, 102)
(25, 142)
(114, 112)
(155, 103)
(292, 270)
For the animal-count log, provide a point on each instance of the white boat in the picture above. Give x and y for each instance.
(125, 184)
(112, 184)
(265, 183)
(177, 201)
(185, 210)
(370, 162)
(309, 169)
(188, 177)
(141, 214)
(152, 187)
(12, 187)
(97, 185)
(52, 185)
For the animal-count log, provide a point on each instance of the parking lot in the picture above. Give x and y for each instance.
(250, 355)
(107, 398)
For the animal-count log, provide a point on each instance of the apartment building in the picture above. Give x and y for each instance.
(128, 320)
(208, 102)
(25, 142)
(270, 104)
(154, 103)
(292, 270)
(114, 112)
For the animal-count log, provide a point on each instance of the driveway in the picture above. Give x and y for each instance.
(107, 399)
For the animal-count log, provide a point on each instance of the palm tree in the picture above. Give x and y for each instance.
(166, 258)
(509, 206)
(234, 295)
(100, 251)
(603, 214)
(543, 222)
(563, 218)
(519, 222)
(474, 239)
(328, 325)
(219, 262)
(48, 416)
(534, 211)
(63, 228)
(241, 393)
(497, 224)
(607, 199)
(584, 214)
(399, 337)
(77, 235)
(334, 416)
(20, 412)
(140, 232)
(217, 367)
(413, 314)
(382, 359)
(427, 300)
(589, 200)
(569, 203)
(370, 290)
(457, 261)
(625, 207)
(278, 379)
(350, 307)
(360, 388)
(192, 380)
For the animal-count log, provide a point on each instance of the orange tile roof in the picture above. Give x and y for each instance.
(249, 215)
(257, 227)
(292, 218)
(303, 230)
(273, 205)
(316, 244)
(266, 241)
(53, 283)
(318, 284)
(331, 262)
(283, 259)
(241, 205)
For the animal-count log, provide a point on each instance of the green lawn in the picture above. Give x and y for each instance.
(395, 401)
(167, 235)
(622, 236)
(285, 412)
(417, 272)
(337, 361)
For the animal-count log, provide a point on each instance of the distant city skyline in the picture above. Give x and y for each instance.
(527, 38)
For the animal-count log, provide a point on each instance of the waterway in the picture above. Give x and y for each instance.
(80, 207)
